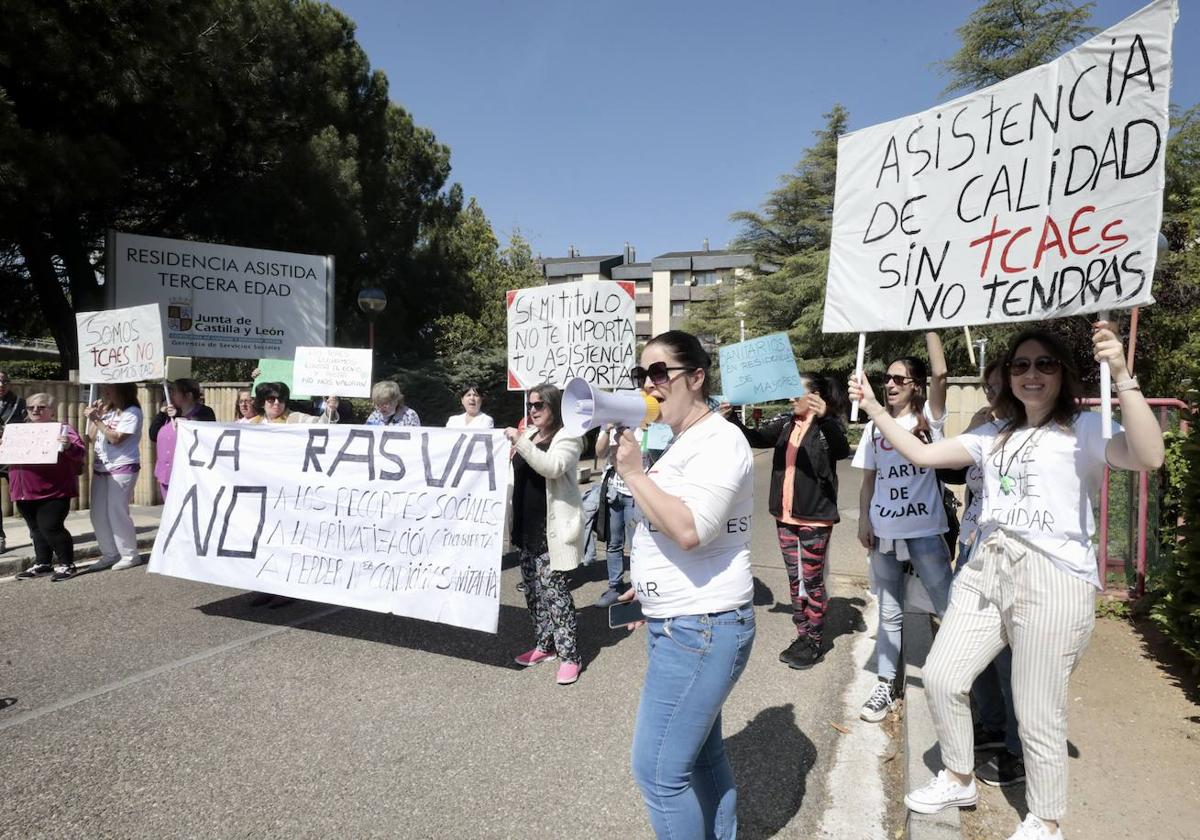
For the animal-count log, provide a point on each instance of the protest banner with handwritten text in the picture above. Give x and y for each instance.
(760, 370)
(340, 371)
(1038, 197)
(120, 345)
(559, 332)
(398, 520)
(30, 443)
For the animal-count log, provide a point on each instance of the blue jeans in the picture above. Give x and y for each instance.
(992, 689)
(679, 759)
(931, 560)
(620, 510)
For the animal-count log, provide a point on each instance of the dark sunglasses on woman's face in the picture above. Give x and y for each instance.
(1044, 364)
(537, 405)
(897, 379)
(658, 373)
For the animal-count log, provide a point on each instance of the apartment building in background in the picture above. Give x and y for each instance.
(665, 287)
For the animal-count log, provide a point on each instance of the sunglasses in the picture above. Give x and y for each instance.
(272, 399)
(536, 405)
(1044, 364)
(658, 373)
(897, 379)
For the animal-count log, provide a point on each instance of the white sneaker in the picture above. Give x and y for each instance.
(879, 703)
(128, 563)
(1034, 829)
(942, 792)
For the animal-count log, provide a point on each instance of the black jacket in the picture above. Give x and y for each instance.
(159, 420)
(815, 483)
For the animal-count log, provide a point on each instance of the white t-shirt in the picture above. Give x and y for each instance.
(1040, 485)
(711, 468)
(462, 421)
(109, 456)
(970, 517)
(907, 501)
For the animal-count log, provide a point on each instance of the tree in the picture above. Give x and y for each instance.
(1002, 38)
(249, 122)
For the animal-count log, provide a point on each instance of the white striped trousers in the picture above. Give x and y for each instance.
(1011, 593)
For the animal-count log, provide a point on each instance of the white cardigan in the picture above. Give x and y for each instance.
(559, 465)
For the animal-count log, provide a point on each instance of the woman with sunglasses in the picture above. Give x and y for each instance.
(547, 528)
(1031, 580)
(808, 441)
(271, 403)
(901, 514)
(117, 420)
(690, 567)
(43, 493)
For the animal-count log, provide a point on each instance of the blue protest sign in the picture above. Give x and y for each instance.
(760, 370)
(658, 435)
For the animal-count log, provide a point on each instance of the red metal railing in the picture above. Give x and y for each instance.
(1164, 405)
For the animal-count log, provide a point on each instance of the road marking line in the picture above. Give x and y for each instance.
(855, 782)
(34, 714)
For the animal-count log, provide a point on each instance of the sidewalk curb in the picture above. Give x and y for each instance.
(919, 737)
(12, 561)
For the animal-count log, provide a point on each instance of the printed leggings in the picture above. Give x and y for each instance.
(804, 548)
(550, 606)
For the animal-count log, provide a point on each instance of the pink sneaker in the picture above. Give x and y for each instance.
(533, 657)
(568, 672)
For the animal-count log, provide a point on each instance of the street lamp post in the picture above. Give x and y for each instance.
(372, 301)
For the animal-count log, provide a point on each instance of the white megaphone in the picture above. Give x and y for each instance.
(584, 408)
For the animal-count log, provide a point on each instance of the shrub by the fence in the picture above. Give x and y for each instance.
(1177, 611)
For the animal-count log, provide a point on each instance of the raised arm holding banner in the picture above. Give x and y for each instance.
(1038, 197)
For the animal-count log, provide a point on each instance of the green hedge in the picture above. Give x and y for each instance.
(32, 369)
(1177, 610)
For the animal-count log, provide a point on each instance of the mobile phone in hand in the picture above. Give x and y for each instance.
(625, 612)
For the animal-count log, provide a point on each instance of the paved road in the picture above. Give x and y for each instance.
(145, 706)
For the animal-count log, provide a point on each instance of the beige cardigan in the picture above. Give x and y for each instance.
(559, 465)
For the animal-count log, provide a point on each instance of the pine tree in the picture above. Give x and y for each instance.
(1005, 37)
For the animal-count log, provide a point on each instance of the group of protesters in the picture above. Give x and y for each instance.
(42, 493)
(1016, 608)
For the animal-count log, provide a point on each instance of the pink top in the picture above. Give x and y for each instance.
(60, 480)
(165, 444)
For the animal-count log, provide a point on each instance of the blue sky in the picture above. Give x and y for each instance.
(596, 123)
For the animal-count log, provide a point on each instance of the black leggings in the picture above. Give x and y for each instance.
(45, 518)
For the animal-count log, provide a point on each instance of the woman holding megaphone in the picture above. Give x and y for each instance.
(690, 567)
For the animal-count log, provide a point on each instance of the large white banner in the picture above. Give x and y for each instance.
(406, 521)
(120, 345)
(559, 332)
(1039, 197)
(225, 301)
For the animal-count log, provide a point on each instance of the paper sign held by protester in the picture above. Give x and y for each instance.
(568, 330)
(120, 345)
(1038, 197)
(340, 371)
(760, 370)
(406, 522)
(278, 370)
(30, 443)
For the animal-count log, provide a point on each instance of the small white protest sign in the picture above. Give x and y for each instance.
(407, 522)
(1038, 197)
(30, 443)
(120, 345)
(332, 371)
(567, 330)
